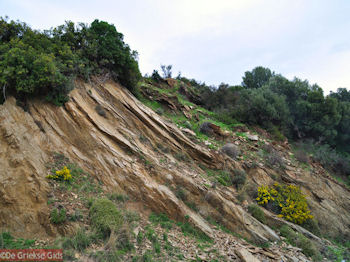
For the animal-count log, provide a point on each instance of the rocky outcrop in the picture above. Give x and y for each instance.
(108, 147)
(113, 147)
(23, 188)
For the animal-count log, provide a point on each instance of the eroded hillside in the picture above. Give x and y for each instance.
(126, 148)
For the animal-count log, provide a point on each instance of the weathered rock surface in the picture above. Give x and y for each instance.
(246, 256)
(252, 137)
(108, 147)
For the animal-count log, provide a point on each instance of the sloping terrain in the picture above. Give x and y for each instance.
(126, 147)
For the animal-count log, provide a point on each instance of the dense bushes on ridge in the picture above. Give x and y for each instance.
(34, 63)
(294, 108)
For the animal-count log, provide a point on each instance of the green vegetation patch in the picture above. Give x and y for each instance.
(105, 217)
(185, 226)
(58, 216)
(7, 241)
(286, 200)
(256, 212)
(80, 241)
(70, 176)
(44, 63)
(299, 240)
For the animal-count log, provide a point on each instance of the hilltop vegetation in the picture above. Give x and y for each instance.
(44, 63)
(295, 108)
(291, 109)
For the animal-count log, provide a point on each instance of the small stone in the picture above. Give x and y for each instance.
(252, 137)
(188, 131)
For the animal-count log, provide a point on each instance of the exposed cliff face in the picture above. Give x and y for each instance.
(109, 148)
(23, 190)
(114, 146)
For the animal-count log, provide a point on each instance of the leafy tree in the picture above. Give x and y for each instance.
(12, 29)
(343, 135)
(34, 63)
(342, 95)
(300, 110)
(219, 99)
(257, 77)
(101, 49)
(26, 71)
(262, 107)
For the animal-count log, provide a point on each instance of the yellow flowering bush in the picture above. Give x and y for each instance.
(63, 174)
(287, 200)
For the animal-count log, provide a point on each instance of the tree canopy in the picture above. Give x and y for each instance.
(296, 108)
(35, 63)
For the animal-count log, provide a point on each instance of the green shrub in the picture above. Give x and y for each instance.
(238, 179)
(286, 200)
(180, 193)
(148, 256)
(256, 212)
(301, 156)
(188, 229)
(223, 177)
(77, 216)
(161, 219)
(105, 217)
(139, 237)
(274, 159)
(257, 77)
(187, 124)
(262, 107)
(276, 134)
(44, 64)
(192, 205)
(80, 241)
(165, 237)
(299, 240)
(312, 226)
(156, 247)
(331, 160)
(61, 175)
(131, 216)
(123, 241)
(235, 178)
(58, 216)
(118, 197)
(151, 234)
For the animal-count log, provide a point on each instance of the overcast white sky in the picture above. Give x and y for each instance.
(217, 41)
